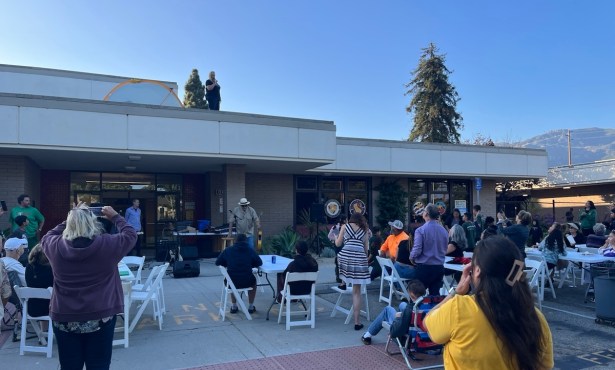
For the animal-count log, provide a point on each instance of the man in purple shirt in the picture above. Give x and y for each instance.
(430, 243)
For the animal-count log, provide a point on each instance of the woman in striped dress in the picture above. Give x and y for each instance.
(352, 259)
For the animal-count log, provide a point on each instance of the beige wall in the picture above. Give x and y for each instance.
(603, 197)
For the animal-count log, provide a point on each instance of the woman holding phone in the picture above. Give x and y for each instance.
(496, 326)
(87, 291)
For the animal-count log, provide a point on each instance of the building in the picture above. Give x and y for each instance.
(571, 186)
(64, 140)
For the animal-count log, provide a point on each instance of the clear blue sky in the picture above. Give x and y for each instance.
(521, 68)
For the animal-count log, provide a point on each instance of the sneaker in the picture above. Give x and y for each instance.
(366, 340)
(234, 309)
(252, 309)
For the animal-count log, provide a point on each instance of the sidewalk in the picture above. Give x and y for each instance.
(193, 337)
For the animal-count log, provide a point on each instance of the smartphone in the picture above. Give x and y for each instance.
(96, 211)
(3, 203)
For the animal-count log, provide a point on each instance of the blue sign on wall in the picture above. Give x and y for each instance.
(478, 183)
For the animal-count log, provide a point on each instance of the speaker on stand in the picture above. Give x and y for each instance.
(317, 214)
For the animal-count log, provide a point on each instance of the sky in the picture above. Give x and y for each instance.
(521, 68)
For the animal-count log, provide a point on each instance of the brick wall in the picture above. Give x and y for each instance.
(273, 196)
(20, 175)
(55, 197)
(487, 198)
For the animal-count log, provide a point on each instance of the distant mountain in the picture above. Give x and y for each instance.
(588, 145)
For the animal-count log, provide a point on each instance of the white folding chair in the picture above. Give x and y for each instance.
(259, 281)
(287, 297)
(148, 282)
(532, 276)
(135, 261)
(349, 311)
(229, 288)
(544, 275)
(150, 294)
(566, 273)
(25, 294)
(392, 278)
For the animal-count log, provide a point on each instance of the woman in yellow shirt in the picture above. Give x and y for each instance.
(496, 327)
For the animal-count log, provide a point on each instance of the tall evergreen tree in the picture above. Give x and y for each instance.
(194, 92)
(434, 100)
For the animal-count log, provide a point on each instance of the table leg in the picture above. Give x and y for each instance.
(273, 290)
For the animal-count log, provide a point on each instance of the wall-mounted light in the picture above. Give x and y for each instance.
(566, 187)
(525, 195)
(134, 157)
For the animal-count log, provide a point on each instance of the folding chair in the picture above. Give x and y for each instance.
(25, 294)
(533, 278)
(150, 294)
(288, 297)
(259, 281)
(135, 261)
(349, 311)
(229, 288)
(15, 316)
(567, 273)
(416, 339)
(392, 278)
(544, 275)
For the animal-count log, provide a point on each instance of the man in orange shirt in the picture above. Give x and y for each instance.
(391, 244)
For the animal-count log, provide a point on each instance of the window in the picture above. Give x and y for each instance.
(88, 181)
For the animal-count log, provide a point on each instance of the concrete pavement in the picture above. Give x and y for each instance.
(193, 334)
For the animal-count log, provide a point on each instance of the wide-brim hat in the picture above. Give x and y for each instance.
(243, 202)
(397, 224)
(573, 225)
(13, 244)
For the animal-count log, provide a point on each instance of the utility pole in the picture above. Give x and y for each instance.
(569, 150)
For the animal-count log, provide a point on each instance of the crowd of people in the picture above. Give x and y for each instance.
(79, 259)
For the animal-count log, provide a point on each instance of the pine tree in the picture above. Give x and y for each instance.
(434, 100)
(194, 92)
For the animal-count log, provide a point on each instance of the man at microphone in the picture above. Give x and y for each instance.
(245, 218)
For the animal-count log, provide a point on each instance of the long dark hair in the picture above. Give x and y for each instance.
(555, 237)
(591, 204)
(510, 310)
(358, 219)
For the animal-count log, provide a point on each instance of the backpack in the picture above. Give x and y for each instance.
(478, 223)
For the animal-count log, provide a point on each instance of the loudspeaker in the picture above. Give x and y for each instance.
(186, 269)
(317, 213)
(190, 252)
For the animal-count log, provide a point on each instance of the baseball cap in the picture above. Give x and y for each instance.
(397, 224)
(14, 243)
(573, 225)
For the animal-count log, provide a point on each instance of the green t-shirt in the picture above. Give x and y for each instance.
(34, 216)
(470, 230)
